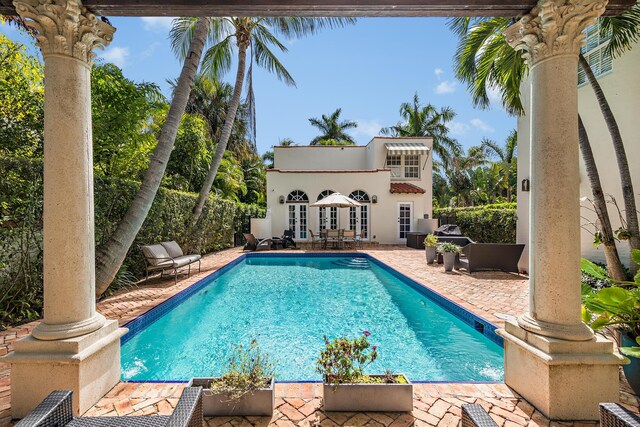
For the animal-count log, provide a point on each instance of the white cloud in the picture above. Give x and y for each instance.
(494, 93)
(368, 128)
(479, 124)
(157, 23)
(438, 72)
(446, 87)
(116, 54)
(458, 128)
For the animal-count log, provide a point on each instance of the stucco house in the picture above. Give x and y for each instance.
(618, 78)
(391, 177)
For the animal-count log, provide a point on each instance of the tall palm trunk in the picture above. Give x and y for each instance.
(631, 213)
(225, 134)
(109, 257)
(614, 265)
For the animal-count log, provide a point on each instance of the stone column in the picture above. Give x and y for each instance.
(74, 347)
(551, 357)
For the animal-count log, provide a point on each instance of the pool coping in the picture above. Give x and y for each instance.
(481, 325)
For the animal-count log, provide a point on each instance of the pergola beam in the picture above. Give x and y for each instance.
(355, 8)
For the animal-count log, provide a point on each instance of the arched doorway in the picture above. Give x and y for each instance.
(359, 217)
(298, 213)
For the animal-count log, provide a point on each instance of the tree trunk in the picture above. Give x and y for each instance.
(109, 257)
(614, 265)
(631, 213)
(224, 136)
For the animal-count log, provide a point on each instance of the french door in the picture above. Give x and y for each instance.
(359, 220)
(328, 219)
(297, 214)
(405, 219)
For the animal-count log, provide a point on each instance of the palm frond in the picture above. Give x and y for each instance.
(624, 30)
(217, 59)
(267, 60)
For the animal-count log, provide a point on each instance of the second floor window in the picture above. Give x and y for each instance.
(405, 166)
(595, 53)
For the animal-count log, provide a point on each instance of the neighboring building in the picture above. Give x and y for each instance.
(391, 177)
(621, 85)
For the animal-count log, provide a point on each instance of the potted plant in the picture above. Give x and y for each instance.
(449, 252)
(617, 306)
(430, 244)
(246, 388)
(347, 388)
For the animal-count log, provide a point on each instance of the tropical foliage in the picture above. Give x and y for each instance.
(333, 131)
(343, 360)
(488, 223)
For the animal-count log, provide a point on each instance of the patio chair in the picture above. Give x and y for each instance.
(335, 237)
(315, 239)
(614, 415)
(167, 256)
(56, 410)
(349, 238)
(254, 244)
(474, 415)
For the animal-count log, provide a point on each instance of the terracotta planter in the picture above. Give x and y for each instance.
(368, 397)
(449, 260)
(258, 403)
(431, 254)
(632, 370)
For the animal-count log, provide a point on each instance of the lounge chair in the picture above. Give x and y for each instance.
(254, 244)
(491, 256)
(167, 256)
(56, 410)
(287, 238)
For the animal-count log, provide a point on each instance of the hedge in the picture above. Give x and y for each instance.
(21, 230)
(488, 223)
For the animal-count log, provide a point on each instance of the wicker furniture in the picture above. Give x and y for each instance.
(474, 415)
(614, 415)
(56, 410)
(491, 256)
(167, 256)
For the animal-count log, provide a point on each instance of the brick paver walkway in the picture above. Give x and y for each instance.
(486, 294)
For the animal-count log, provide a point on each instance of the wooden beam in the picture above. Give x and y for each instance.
(509, 8)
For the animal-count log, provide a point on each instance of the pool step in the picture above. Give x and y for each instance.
(357, 263)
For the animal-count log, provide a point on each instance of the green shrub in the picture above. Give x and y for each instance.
(21, 230)
(487, 224)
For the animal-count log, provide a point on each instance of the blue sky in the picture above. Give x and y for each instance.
(367, 69)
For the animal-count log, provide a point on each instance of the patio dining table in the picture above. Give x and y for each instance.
(333, 237)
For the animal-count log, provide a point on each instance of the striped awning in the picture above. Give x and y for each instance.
(407, 148)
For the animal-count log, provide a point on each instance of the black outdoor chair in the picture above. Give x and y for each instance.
(56, 410)
(288, 236)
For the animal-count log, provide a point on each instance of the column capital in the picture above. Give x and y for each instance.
(65, 27)
(553, 27)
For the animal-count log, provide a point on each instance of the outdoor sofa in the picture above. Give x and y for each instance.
(56, 410)
(167, 256)
(491, 256)
(611, 415)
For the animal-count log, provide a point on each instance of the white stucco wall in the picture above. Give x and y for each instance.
(344, 171)
(622, 88)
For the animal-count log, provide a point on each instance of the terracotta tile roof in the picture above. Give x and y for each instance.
(405, 187)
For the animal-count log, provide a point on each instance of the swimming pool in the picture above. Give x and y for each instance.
(289, 301)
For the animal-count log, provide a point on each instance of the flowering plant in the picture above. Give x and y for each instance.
(343, 360)
(248, 370)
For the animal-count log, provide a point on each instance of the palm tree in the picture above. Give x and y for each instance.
(111, 254)
(484, 60)
(256, 35)
(427, 121)
(269, 156)
(333, 130)
(507, 156)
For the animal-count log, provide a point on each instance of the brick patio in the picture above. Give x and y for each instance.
(486, 294)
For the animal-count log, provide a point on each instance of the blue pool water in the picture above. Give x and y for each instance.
(289, 303)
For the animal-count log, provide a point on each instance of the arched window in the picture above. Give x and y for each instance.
(297, 196)
(324, 194)
(359, 196)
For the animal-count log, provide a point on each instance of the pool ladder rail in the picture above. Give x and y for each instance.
(355, 263)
